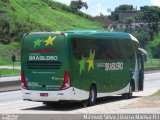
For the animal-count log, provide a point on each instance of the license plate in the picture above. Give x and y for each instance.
(44, 94)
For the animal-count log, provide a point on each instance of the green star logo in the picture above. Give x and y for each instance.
(37, 43)
(90, 60)
(49, 41)
(82, 64)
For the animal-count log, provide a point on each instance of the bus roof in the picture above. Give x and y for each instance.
(104, 33)
(101, 33)
(81, 31)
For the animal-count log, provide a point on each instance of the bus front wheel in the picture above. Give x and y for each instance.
(92, 96)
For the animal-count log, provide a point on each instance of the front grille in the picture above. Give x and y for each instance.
(44, 65)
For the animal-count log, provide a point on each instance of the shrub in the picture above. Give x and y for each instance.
(155, 46)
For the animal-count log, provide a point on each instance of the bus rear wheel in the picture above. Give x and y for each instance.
(92, 96)
(129, 94)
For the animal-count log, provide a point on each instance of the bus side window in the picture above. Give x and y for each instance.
(74, 44)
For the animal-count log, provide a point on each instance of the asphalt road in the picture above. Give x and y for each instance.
(11, 102)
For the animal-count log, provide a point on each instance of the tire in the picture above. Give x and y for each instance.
(92, 96)
(129, 94)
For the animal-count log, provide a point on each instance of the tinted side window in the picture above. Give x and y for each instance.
(82, 46)
(104, 48)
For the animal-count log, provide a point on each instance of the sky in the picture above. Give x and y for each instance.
(95, 7)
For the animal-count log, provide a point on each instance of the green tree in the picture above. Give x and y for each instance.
(121, 8)
(129, 21)
(77, 5)
(150, 16)
(155, 46)
(141, 33)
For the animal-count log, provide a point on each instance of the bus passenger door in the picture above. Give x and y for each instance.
(141, 71)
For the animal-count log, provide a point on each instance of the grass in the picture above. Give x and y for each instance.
(152, 63)
(157, 93)
(6, 52)
(38, 14)
(9, 72)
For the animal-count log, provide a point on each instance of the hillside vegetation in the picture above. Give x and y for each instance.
(155, 46)
(6, 51)
(20, 16)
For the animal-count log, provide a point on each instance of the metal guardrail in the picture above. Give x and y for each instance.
(10, 85)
